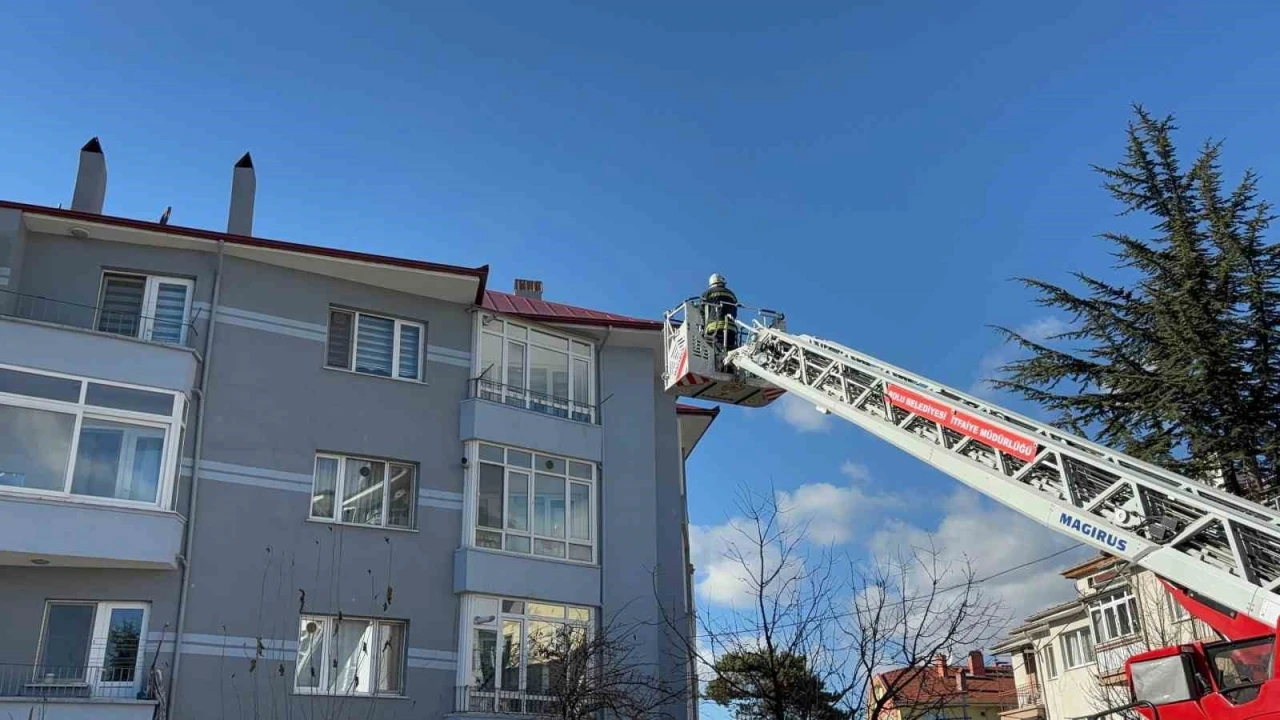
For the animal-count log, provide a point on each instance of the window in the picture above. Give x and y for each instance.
(94, 643)
(362, 491)
(67, 436)
(1048, 661)
(375, 345)
(1077, 648)
(536, 370)
(149, 307)
(350, 656)
(535, 503)
(517, 650)
(1176, 610)
(1241, 668)
(1114, 616)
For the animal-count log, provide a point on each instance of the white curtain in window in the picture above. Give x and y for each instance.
(310, 665)
(353, 648)
(375, 343)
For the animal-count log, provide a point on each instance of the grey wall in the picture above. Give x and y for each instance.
(12, 246)
(518, 427)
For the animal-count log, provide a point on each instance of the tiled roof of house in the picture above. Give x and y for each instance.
(553, 312)
(996, 686)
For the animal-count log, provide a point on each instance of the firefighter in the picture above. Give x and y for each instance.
(720, 307)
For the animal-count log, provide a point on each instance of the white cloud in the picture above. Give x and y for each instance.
(1038, 330)
(828, 512)
(993, 539)
(723, 556)
(856, 472)
(801, 414)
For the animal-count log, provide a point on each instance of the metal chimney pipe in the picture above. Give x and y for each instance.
(91, 179)
(244, 186)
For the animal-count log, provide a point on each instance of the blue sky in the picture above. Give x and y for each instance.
(878, 173)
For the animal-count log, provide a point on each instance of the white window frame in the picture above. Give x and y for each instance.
(386, 495)
(472, 526)
(98, 646)
(399, 325)
(1177, 612)
(1109, 607)
(172, 425)
(150, 297)
(471, 604)
(576, 348)
(327, 634)
(1077, 648)
(1048, 661)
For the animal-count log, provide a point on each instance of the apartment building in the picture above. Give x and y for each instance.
(1068, 660)
(244, 477)
(972, 690)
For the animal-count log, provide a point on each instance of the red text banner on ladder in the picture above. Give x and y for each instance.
(961, 422)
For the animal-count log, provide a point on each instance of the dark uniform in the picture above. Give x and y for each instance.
(719, 307)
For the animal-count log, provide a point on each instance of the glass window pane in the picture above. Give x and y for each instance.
(579, 470)
(491, 357)
(351, 657)
(548, 507)
(513, 607)
(580, 511)
(581, 348)
(581, 615)
(548, 372)
(581, 553)
(1133, 613)
(550, 465)
(518, 543)
(339, 351)
(390, 658)
(362, 493)
(170, 312)
(310, 661)
(124, 633)
(547, 610)
(581, 382)
(1112, 632)
(403, 488)
(484, 647)
(541, 650)
(489, 497)
(517, 501)
(549, 548)
(41, 386)
(120, 309)
(35, 447)
(550, 341)
(515, 365)
(1122, 618)
(117, 460)
(484, 611)
(489, 539)
(491, 453)
(516, 332)
(410, 345)
(511, 632)
(65, 645)
(324, 487)
(374, 339)
(122, 398)
(519, 458)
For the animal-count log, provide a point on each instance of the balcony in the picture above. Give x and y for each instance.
(519, 417)
(477, 702)
(105, 691)
(1030, 704)
(43, 332)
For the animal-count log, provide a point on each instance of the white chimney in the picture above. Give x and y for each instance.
(91, 179)
(244, 185)
(531, 289)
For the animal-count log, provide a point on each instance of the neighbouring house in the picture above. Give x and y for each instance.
(970, 691)
(246, 473)
(1068, 660)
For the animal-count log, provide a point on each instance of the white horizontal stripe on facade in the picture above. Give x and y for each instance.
(303, 478)
(426, 654)
(4, 276)
(238, 647)
(318, 333)
(299, 482)
(439, 498)
(451, 666)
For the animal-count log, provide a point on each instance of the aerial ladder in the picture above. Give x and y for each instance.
(1216, 553)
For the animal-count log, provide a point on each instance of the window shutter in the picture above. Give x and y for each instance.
(375, 342)
(121, 310)
(339, 354)
(410, 345)
(171, 313)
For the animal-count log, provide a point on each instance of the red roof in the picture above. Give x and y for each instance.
(995, 687)
(551, 312)
(481, 273)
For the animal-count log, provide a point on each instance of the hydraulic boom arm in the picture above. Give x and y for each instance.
(1215, 545)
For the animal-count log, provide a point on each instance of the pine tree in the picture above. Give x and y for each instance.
(1181, 366)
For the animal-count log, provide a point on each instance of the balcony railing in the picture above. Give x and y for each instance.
(471, 699)
(1030, 695)
(93, 317)
(89, 682)
(486, 389)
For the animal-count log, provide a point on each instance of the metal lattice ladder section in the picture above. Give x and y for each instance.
(1213, 543)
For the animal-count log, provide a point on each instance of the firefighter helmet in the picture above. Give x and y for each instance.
(715, 279)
